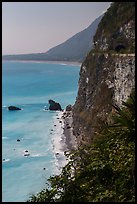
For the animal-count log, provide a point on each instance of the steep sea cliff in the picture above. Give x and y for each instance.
(107, 75)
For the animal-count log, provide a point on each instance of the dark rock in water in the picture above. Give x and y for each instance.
(13, 108)
(26, 150)
(54, 105)
(69, 108)
(68, 127)
(3, 159)
(26, 155)
(18, 140)
(44, 168)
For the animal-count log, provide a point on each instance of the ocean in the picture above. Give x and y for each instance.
(29, 86)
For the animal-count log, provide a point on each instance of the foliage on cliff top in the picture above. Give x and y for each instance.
(113, 30)
(118, 14)
(103, 171)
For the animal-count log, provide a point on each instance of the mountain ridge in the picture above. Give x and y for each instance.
(73, 49)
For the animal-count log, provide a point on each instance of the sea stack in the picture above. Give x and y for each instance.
(13, 108)
(54, 105)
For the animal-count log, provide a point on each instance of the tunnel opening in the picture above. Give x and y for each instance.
(120, 47)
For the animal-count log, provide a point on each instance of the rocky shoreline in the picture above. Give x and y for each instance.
(70, 139)
(63, 138)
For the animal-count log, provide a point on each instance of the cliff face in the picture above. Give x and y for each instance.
(117, 28)
(107, 74)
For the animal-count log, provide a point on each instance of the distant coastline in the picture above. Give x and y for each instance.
(51, 62)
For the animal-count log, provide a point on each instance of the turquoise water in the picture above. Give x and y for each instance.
(30, 85)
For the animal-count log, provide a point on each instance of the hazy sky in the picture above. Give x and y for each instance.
(33, 27)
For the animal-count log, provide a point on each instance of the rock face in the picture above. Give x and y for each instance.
(54, 105)
(117, 28)
(13, 108)
(106, 76)
(69, 107)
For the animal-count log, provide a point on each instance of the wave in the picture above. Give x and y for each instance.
(58, 141)
(26, 153)
(36, 155)
(4, 106)
(5, 160)
(44, 110)
(63, 64)
(4, 138)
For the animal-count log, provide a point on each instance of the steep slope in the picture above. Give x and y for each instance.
(77, 46)
(107, 75)
(73, 49)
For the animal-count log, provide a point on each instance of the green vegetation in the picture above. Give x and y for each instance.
(102, 171)
(118, 14)
(116, 17)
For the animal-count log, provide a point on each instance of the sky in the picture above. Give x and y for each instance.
(35, 27)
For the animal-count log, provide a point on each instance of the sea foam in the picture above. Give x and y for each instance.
(5, 160)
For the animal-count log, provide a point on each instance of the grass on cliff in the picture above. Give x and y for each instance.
(117, 15)
(103, 171)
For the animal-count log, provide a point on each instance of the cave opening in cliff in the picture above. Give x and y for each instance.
(120, 47)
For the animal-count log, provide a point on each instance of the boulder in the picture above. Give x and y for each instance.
(69, 108)
(54, 105)
(13, 108)
(26, 155)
